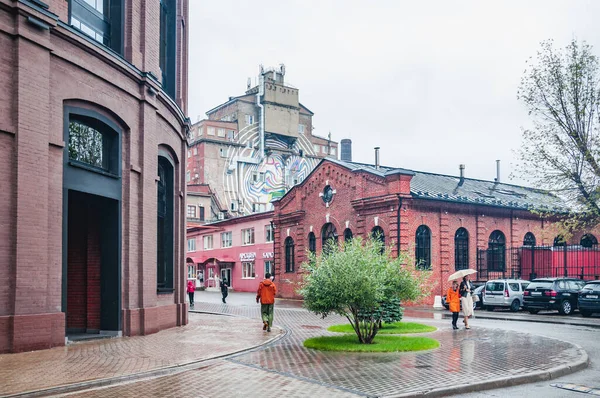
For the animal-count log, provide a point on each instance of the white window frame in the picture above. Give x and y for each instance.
(249, 119)
(189, 153)
(332, 151)
(248, 271)
(192, 271)
(324, 148)
(195, 150)
(207, 241)
(223, 152)
(210, 130)
(190, 207)
(221, 132)
(248, 237)
(226, 239)
(188, 176)
(317, 148)
(301, 128)
(269, 230)
(268, 267)
(191, 244)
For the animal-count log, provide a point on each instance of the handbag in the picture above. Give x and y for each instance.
(475, 298)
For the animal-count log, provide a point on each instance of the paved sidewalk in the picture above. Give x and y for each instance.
(206, 336)
(482, 358)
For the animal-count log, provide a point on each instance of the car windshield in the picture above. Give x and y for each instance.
(592, 286)
(540, 284)
(495, 287)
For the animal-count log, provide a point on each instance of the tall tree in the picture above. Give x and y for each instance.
(561, 152)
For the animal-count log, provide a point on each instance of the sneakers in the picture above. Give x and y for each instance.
(268, 329)
(266, 325)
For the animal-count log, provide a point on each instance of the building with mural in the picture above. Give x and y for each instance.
(239, 250)
(93, 134)
(253, 148)
(445, 223)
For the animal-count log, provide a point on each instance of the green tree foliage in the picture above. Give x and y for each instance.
(362, 283)
(561, 151)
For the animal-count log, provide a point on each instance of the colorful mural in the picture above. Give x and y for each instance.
(251, 182)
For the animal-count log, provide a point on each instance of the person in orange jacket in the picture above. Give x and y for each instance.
(453, 300)
(266, 295)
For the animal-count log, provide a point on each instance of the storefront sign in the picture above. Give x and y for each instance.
(247, 256)
(268, 255)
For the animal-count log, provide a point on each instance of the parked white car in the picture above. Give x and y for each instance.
(504, 293)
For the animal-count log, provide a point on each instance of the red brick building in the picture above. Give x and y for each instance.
(441, 220)
(93, 98)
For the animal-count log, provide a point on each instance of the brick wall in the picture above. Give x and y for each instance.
(363, 201)
(53, 69)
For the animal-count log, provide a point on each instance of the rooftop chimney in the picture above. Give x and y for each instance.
(346, 151)
(497, 171)
(377, 157)
(462, 174)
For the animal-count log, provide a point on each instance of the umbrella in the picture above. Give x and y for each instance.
(460, 274)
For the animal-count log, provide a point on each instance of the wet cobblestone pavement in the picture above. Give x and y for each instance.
(285, 368)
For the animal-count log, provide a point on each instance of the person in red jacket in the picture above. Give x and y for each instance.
(191, 288)
(266, 295)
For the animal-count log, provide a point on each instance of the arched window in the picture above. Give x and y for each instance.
(496, 254)
(588, 240)
(461, 249)
(328, 235)
(347, 235)
(423, 248)
(289, 254)
(164, 231)
(377, 234)
(560, 241)
(529, 239)
(312, 242)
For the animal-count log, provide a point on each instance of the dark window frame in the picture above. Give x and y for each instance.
(328, 233)
(348, 235)
(165, 252)
(312, 243)
(423, 248)
(461, 249)
(167, 45)
(529, 239)
(109, 23)
(289, 254)
(377, 233)
(559, 240)
(496, 253)
(588, 241)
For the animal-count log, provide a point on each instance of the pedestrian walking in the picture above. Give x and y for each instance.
(266, 295)
(191, 288)
(453, 300)
(224, 291)
(466, 287)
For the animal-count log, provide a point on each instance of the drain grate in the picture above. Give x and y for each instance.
(575, 387)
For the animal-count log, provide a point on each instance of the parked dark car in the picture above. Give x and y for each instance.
(589, 299)
(478, 291)
(552, 294)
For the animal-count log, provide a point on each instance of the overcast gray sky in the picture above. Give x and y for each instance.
(433, 83)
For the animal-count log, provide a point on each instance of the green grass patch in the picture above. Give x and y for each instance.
(388, 328)
(349, 343)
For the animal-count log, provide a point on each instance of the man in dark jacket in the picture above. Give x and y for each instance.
(224, 291)
(266, 295)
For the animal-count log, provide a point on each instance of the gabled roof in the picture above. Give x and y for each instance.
(447, 188)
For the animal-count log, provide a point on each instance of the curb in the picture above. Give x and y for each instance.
(166, 370)
(508, 318)
(503, 382)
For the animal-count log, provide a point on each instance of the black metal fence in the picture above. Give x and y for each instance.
(530, 262)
